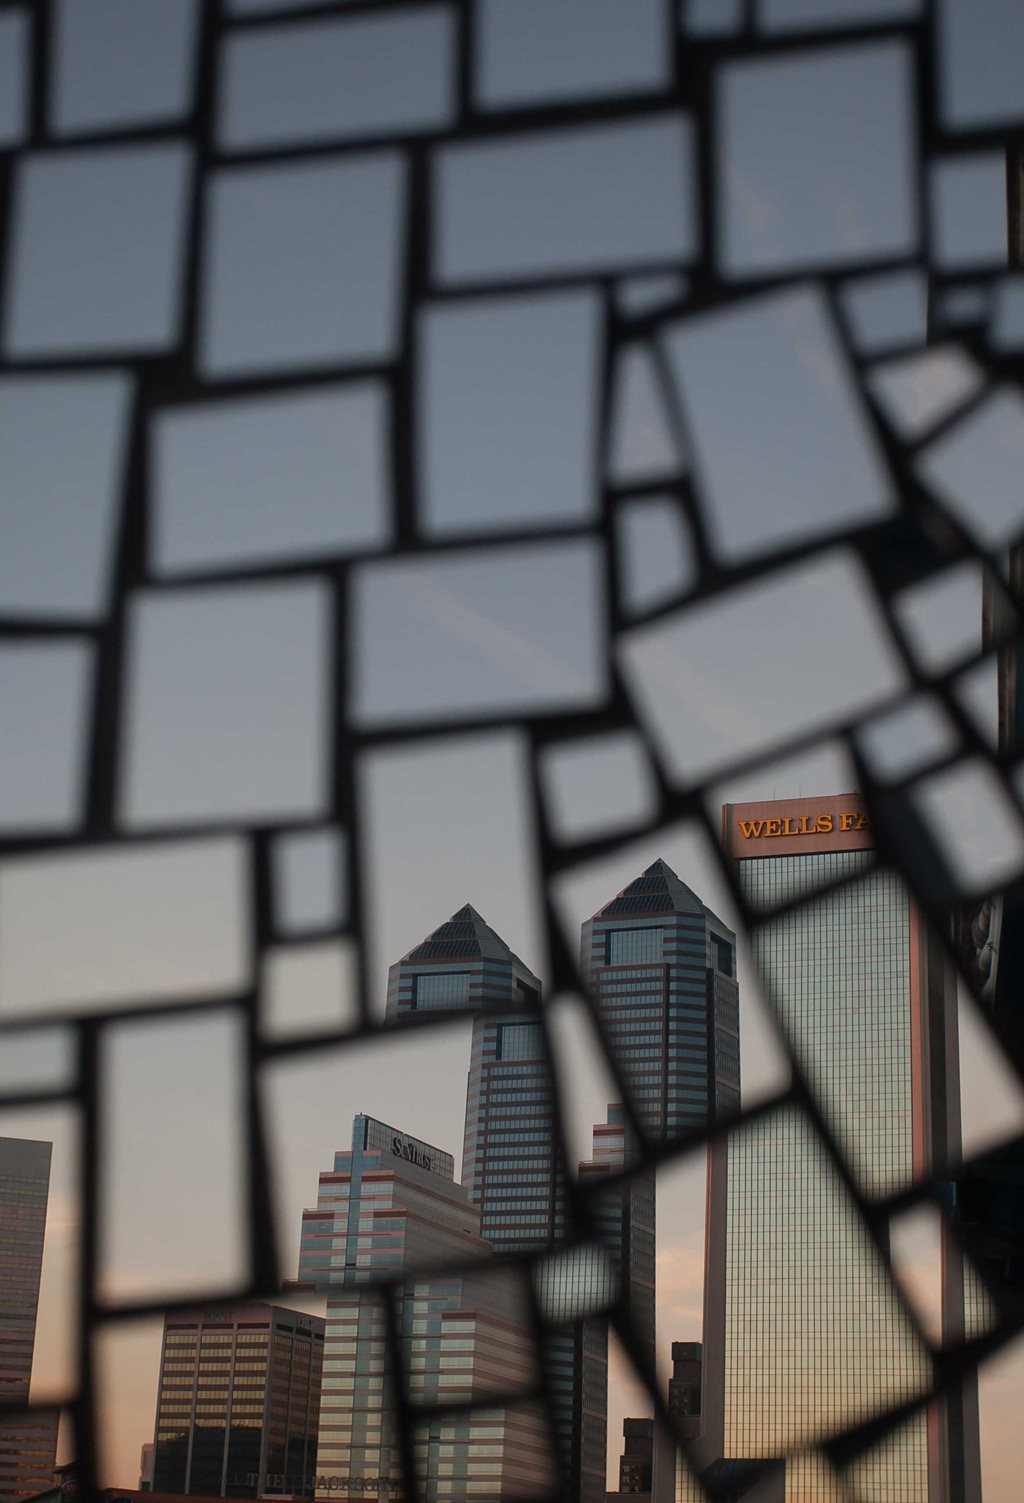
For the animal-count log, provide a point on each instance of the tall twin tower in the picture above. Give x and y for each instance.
(661, 968)
(802, 1334)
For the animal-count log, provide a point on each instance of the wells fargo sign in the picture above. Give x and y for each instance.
(803, 824)
(796, 826)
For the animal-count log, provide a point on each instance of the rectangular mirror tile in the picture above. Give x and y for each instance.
(343, 219)
(199, 698)
(967, 206)
(529, 51)
(45, 694)
(97, 251)
(37, 1059)
(885, 310)
(598, 199)
(338, 78)
(63, 440)
(153, 1130)
(521, 375)
(308, 988)
(14, 42)
(771, 407)
(139, 924)
(253, 481)
(813, 616)
(478, 632)
(117, 63)
(807, 177)
(308, 874)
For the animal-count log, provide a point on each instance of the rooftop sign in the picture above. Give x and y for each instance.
(380, 1138)
(796, 827)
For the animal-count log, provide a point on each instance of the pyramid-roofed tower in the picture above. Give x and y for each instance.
(662, 969)
(463, 963)
(465, 936)
(656, 890)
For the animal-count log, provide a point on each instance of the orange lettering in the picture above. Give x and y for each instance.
(773, 827)
(752, 829)
(824, 824)
(862, 822)
(847, 821)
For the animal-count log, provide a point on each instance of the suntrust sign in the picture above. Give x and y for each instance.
(796, 827)
(409, 1148)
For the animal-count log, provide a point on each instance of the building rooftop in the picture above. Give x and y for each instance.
(465, 936)
(657, 890)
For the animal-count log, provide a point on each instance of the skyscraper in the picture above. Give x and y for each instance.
(636, 1461)
(802, 1332)
(625, 1224)
(28, 1440)
(684, 1403)
(512, 1166)
(661, 967)
(390, 1207)
(510, 1157)
(662, 970)
(238, 1402)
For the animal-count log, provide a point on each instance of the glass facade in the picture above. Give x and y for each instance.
(28, 1442)
(660, 967)
(804, 1334)
(510, 1164)
(838, 970)
(238, 1402)
(815, 1337)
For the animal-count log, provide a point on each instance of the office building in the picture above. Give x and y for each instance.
(661, 967)
(510, 1155)
(238, 1402)
(390, 1207)
(684, 1390)
(803, 1335)
(662, 970)
(636, 1461)
(28, 1438)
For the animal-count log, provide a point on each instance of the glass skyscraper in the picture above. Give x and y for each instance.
(390, 1206)
(28, 1440)
(511, 1164)
(238, 1402)
(803, 1334)
(661, 968)
(510, 1157)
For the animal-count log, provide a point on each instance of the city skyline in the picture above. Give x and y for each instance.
(361, 1088)
(445, 450)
